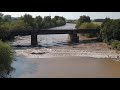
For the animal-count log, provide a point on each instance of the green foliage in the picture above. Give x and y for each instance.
(6, 59)
(29, 20)
(110, 29)
(99, 23)
(1, 17)
(83, 19)
(4, 34)
(7, 18)
(115, 44)
(38, 22)
(56, 21)
(89, 26)
(110, 32)
(19, 24)
(118, 46)
(8, 24)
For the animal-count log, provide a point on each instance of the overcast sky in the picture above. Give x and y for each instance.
(69, 15)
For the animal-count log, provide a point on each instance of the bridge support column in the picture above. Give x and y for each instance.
(34, 40)
(74, 38)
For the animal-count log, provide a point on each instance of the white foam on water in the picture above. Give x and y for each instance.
(63, 52)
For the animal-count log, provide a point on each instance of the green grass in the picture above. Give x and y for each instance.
(99, 23)
(6, 58)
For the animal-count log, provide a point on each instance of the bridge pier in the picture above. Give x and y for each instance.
(34, 39)
(74, 38)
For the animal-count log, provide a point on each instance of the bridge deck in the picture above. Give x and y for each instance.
(46, 31)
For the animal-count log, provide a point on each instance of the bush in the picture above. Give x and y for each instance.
(17, 25)
(82, 19)
(3, 34)
(6, 58)
(118, 46)
(115, 44)
(110, 29)
(89, 26)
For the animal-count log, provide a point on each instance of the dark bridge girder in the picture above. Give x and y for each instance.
(72, 32)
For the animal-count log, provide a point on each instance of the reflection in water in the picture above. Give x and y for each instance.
(7, 73)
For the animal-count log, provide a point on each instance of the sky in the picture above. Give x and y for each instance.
(69, 15)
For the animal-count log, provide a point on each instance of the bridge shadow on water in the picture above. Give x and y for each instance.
(59, 44)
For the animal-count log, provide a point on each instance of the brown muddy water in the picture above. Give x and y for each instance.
(57, 58)
(66, 67)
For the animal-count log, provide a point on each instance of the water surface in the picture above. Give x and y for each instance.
(57, 58)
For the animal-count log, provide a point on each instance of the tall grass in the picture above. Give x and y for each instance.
(6, 59)
(89, 26)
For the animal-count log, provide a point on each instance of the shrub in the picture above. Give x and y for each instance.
(19, 24)
(114, 43)
(89, 26)
(110, 29)
(3, 34)
(6, 58)
(82, 19)
(118, 46)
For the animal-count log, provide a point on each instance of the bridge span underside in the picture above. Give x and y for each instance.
(72, 33)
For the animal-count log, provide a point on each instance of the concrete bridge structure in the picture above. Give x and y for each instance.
(72, 32)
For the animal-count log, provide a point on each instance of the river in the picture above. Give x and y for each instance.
(56, 57)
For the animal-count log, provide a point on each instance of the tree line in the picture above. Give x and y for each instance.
(25, 22)
(109, 30)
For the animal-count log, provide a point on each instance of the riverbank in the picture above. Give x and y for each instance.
(56, 57)
(87, 47)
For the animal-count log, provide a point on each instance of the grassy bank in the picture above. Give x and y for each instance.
(6, 59)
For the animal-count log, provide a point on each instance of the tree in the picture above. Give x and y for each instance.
(19, 24)
(7, 18)
(63, 21)
(56, 18)
(110, 29)
(47, 21)
(1, 18)
(82, 19)
(54, 21)
(47, 18)
(38, 22)
(29, 20)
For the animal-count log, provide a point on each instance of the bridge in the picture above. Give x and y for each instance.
(72, 33)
